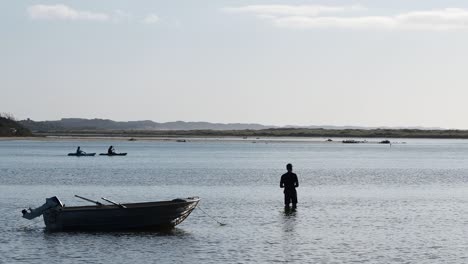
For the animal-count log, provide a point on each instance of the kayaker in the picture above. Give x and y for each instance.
(111, 150)
(289, 182)
(79, 151)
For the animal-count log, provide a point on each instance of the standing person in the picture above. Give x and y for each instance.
(289, 182)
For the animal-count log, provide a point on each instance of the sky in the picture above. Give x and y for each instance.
(362, 63)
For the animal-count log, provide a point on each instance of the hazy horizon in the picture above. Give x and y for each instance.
(304, 63)
(226, 123)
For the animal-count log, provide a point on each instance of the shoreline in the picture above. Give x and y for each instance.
(185, 139)
(179, 139)
(302, 134)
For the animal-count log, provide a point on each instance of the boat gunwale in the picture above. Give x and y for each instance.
(137, 205)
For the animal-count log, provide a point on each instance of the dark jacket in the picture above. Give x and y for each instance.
(289, 182)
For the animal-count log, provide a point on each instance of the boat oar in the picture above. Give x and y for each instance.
(114, 203)
(89, 200)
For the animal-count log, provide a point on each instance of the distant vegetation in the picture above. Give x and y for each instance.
(273, 132)
(106, 127)
(106, 124)
(9, 127)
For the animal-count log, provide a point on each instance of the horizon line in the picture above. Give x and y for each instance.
(266, 125)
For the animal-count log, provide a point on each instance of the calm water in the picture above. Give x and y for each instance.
(357, 203)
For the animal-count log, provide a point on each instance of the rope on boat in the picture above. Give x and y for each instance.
(221, 224)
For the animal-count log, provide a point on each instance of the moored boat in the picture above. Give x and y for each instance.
(100, 217)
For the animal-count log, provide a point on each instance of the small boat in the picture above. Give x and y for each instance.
(114, 217)
(81, 154)
(351, 141)
(113, 154)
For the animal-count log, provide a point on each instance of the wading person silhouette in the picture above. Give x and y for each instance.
(289, 182)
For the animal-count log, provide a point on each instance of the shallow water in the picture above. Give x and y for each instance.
(366, 203)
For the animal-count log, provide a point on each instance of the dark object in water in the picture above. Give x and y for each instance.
(181, 140)
(350, 141)
(385, 141)
(329, 140)
(128, 216)
(81, 154)
(113, 154)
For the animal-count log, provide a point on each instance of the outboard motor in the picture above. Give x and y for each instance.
(50, 203)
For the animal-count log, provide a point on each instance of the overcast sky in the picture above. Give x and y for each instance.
(367, 63)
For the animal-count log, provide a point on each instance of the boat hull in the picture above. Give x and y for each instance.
(82, 155)
(115, 154)
(137, 216)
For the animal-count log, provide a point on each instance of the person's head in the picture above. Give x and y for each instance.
(289, 167)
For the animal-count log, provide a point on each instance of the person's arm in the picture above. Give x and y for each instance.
(281, 182)
(296, 183)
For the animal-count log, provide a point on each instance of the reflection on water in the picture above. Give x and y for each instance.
(288, 234)
(360, 203)
(288, 212)
(175, 232)
(289, 221)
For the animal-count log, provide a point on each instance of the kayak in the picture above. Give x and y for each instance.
(81, 155)
(114, 154)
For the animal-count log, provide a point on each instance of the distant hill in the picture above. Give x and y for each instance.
(10, 128)
(77, 124)
(146, 128)
(106, 124)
